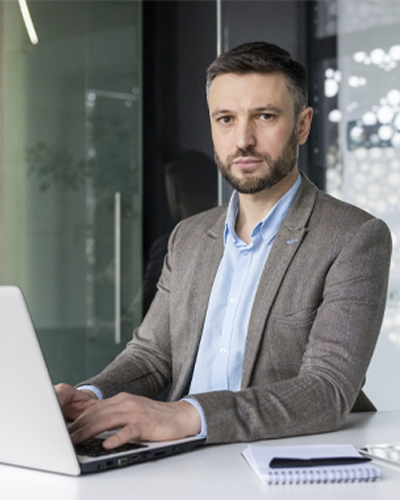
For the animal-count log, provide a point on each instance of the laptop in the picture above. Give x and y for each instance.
(33, 432)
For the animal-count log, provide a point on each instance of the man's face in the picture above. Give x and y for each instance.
(254, 128)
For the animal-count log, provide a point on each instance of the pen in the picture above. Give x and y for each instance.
(286, 463)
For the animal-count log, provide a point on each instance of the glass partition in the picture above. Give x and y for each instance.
(71, 222)
(362, 92)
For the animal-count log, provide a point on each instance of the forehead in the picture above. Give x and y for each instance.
(249, 91)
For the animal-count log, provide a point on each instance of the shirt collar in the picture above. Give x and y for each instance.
(269, 225)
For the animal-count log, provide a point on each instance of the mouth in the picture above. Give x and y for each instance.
(246, 163)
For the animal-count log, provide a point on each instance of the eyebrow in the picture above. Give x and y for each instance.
(262, 109)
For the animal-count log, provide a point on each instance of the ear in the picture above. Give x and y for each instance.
(304, 124)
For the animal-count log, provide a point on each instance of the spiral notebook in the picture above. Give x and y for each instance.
(259, 458)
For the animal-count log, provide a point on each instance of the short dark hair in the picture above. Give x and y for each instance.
(263, 57)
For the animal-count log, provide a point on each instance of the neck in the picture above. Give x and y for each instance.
(254, 207)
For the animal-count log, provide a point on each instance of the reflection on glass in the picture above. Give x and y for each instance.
(191, 188)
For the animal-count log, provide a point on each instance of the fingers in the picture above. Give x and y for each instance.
(136, 418)
(107, 415)
(123, 411)
(121, 437)
(64, 393)
(73, 402)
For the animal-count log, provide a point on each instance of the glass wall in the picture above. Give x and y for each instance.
(362, 101)
(71, 169)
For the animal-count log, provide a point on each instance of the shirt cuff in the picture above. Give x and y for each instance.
(92, 388)
(196, 404)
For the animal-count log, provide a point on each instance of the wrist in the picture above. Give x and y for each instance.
(89, 393)
(190, 418)
(91, 390)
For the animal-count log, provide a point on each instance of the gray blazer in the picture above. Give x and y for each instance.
(312, 331)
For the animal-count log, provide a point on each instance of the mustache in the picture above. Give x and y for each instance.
(246, 153)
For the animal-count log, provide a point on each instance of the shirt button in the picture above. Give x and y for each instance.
(222, 350)
(233, 300)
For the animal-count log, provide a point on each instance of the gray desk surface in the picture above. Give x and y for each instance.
(212, 472)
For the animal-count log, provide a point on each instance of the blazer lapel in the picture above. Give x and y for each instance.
(287, 241)
(204, 275)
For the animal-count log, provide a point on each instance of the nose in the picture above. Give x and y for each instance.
(245, 135)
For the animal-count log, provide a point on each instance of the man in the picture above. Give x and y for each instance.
(267, 313)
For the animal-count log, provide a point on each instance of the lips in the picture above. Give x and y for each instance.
(244, 163)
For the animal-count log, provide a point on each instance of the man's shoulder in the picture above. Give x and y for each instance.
(193, 236)
(332, 208)
(211, 221)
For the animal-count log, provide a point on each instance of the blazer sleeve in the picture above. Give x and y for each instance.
(340, 343)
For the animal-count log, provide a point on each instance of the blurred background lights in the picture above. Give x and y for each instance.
(377, 56)
(376, 153)
(385, 114)
(355, 81)
(394, 52)
(360, 56)
(385, 132)
(331, 84)
(335, 116)
(397, 121)
(357, 134)
(331, 88)
(361, 154)
(393, 97)
(369, 118)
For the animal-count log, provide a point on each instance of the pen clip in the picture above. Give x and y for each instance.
(287, 462)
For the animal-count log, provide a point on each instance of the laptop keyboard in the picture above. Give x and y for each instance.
(94, 448)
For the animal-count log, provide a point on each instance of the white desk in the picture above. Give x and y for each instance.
(212, 472)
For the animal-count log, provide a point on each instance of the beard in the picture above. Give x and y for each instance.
(251, 183)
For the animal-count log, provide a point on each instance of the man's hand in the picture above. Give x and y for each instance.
(73, 402)
(136, 417)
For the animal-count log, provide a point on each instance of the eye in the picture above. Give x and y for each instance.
(266, 116)
(225, 120)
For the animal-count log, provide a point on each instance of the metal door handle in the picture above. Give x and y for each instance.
(117, 258)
